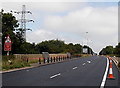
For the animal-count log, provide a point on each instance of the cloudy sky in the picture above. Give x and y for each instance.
(69, 21)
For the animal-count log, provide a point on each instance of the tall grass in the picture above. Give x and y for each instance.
(11, 62)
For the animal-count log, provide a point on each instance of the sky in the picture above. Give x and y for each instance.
(69, 21)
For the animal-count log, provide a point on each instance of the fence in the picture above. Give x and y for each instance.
(117, 61)
(39, 57)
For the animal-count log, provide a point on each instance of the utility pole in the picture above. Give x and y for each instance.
(86, 38)
(87, 42)
(23, 20)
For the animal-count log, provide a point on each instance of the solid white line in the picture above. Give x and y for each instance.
(55, 75)
(75, 67)
(105, 75)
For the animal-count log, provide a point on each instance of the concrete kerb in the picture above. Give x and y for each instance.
(38, 65)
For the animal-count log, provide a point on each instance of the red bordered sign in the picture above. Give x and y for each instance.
(7, 44)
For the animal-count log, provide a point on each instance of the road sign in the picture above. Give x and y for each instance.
(85, 50)
(45, 56)
(7, 44)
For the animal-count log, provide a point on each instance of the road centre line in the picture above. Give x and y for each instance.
(105, 75)
(83, 63)
(55, 75)
(89, 61)
(75, 67)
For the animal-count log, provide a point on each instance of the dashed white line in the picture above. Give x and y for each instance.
(83, 63)
(55, 75)
(75, 67)
(89, 62)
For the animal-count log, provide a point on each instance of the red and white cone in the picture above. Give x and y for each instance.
(110, 75)
(110, 62)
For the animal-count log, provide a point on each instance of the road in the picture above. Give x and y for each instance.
(88, 71)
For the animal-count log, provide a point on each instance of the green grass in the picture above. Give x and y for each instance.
(33, 61)
(16, 63)
(11, 63)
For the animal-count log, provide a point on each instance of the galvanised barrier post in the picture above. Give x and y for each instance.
(27, 60)
(51, 59)
(48, 60)
(54, 59)
(59, 58)
(44, 60)
(39, 60)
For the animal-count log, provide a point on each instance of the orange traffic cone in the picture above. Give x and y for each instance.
(110, 75)
(110, 62)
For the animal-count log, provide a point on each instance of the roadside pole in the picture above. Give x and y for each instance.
(8, 53)
(7, 44)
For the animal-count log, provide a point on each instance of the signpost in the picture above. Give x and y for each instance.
(7, 45)
(85, 50)
(45, 56)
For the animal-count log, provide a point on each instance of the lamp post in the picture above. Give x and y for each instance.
(86, 38)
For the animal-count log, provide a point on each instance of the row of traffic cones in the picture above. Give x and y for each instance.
(110, 74)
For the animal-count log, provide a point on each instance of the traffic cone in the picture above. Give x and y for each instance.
(110, 75)
(110, 62)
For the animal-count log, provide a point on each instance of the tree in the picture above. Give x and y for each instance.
(117, 49)
(27, 48)
(51, 46)
(9, 25)
(107, 50)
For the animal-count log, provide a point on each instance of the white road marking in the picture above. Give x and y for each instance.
(89, 62)
(75, 67)
(105, 75)
(55, 75)
(83, 63)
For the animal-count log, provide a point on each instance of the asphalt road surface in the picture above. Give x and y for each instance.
(87, 71)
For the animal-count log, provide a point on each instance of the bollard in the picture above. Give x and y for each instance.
(27, 60)
(54, 59)
(51, 59)
(39, 60)
(44, 60)
(48, 60)
(59, 58)
(63, 57)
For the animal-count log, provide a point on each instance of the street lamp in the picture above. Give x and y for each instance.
(86, 38)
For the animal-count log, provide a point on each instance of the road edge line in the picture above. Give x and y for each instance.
(105, 75)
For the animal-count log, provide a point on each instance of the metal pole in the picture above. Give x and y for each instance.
(86, 38)
(8, 53)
